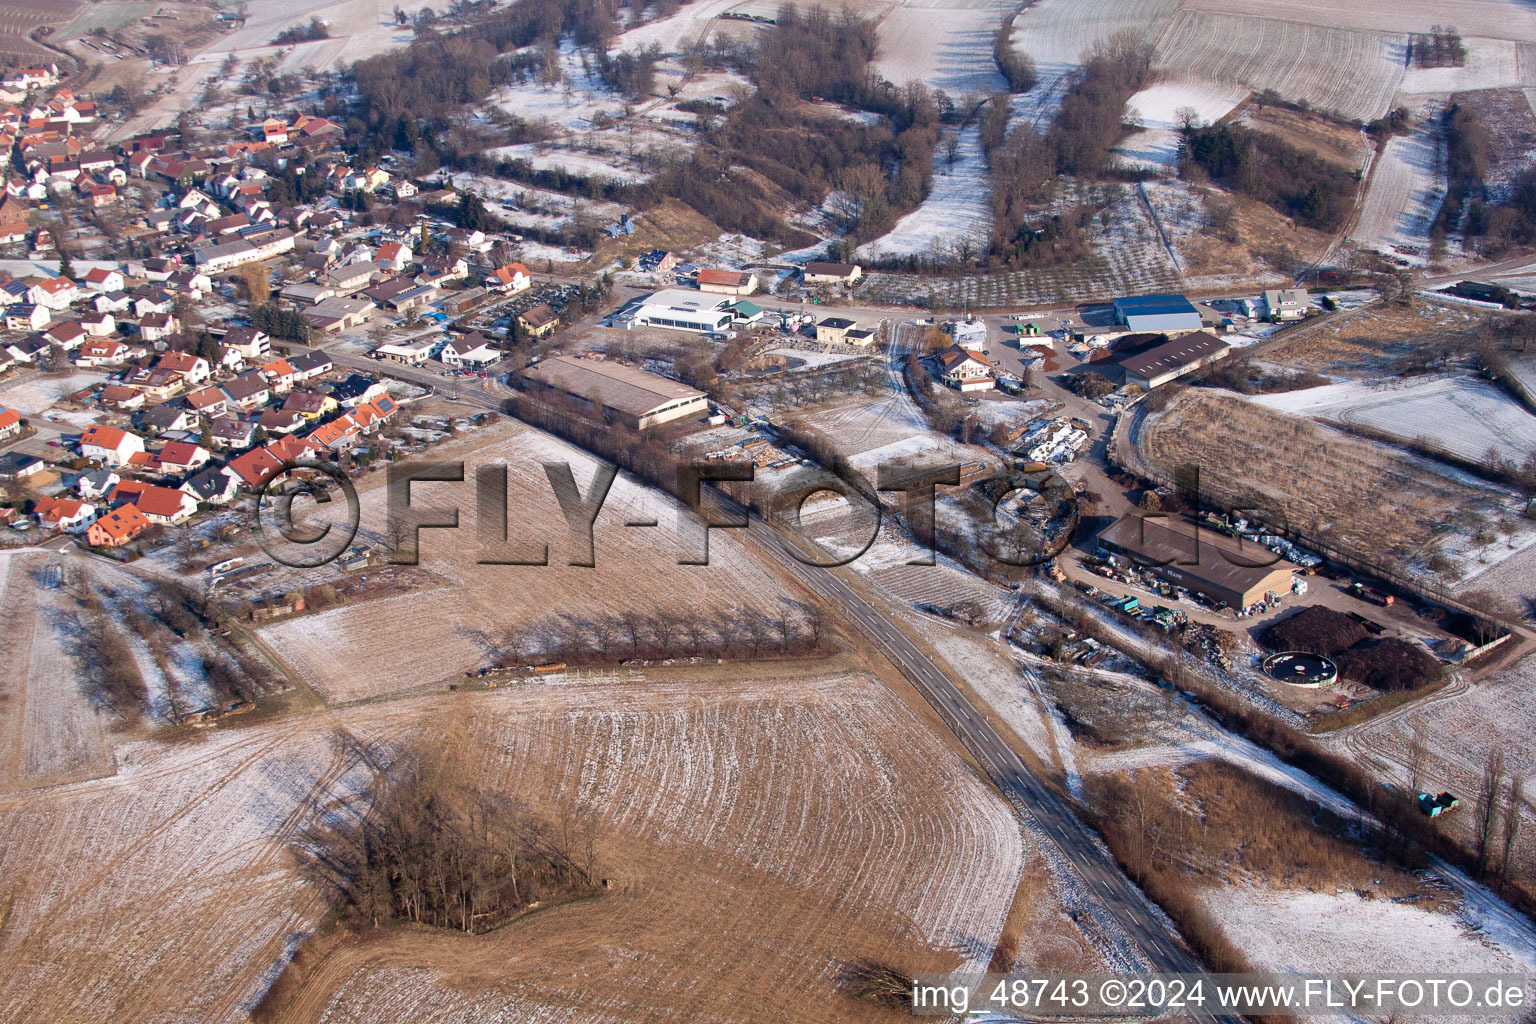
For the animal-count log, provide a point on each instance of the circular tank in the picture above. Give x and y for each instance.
(1299, 668)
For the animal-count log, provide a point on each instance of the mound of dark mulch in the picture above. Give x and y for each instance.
(1316, 630)
(1388, 664)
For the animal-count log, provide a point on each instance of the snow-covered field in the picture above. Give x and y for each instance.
(424, 637)
(1057, 33)
(813, 359)
(1462, 415)
(544, 156)
(1407, 186)
(1490, 64)
(956, 210)
(676, 33)
(1160, 109)
(36, 394)
(1500, 19)
(1325, 933)
(945, 45)
(1355, 74)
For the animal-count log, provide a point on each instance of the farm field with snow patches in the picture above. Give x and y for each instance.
(1464, 416)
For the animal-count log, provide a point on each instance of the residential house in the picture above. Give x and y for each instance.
(182, 457)
(157, 385)
(96, 484)
(67, 334)
(10, 423)
(394, 256)
(356, 390)
(833, 329)
(54, 292)
(280, 375)
(509, 279)
(473, 351)
(440, 270)
(103, 279)
(309, 405)
(109, 445)
(112, 302)
(229, 432)
(249, 391)
(159, 419)
(210, 401)
(27, 316)
(65, 514)
(657, 261)
(167, 506)
(121, 398)
(309, 365)
(193, 368)
(252, 344)
(539, 321)
(279, 421)
(102, 352)
(98, 325)
(964, 370)
(471, 239)
(117, 527)
(17, 466)
(336, 436)
(255, 468)
(372, 414)
(157, 325)
(215, 485)
(13, 220)
(1283, 305)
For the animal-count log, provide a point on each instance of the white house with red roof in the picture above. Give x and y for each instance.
(102, 352)
(109, 445)
(104, 279)
(182, 457)
(394, 255)
(65, 514)
(54, 292)
(194, 369)
(511, 278)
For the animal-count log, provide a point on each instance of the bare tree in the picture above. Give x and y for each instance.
(1488, 806)
(1514, 800)
(1416, 750)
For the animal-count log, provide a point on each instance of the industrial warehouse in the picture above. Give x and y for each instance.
(1207, 564)
(1157, 314)
(1172, 360)
(635, 397)
(680, 310)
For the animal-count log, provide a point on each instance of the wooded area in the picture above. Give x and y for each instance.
(426, 847)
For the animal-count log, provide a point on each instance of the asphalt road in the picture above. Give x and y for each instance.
(1077, 842)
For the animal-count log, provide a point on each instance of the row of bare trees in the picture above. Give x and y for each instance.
(792, 629)
(112, 676)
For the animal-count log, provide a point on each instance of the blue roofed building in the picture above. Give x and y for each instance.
(1157, 314)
